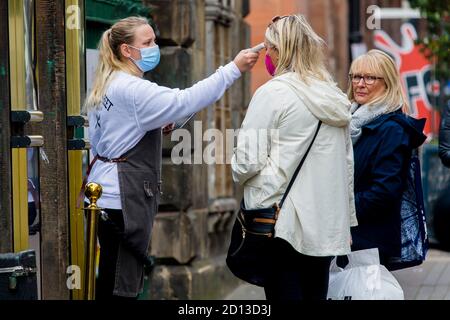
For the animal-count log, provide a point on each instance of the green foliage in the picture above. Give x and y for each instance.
(437, 40)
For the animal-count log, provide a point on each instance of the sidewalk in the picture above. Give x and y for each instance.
(429, 281)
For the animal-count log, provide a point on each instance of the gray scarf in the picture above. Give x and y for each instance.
(362, 115)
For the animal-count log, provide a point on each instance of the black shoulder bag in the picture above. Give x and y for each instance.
(248, 255)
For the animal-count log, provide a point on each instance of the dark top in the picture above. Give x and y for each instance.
(381, 157)
(444, 137)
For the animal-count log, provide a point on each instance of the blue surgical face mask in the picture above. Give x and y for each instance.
(149, 58)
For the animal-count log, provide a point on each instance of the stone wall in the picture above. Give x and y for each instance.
(191, 231)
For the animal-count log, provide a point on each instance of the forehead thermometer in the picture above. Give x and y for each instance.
(257, 48)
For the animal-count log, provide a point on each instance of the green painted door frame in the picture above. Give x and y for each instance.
(101, 14)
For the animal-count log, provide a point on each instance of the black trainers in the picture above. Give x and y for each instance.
(33, 229)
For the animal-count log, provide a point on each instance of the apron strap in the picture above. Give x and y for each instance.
(88, 171)
(83, 185)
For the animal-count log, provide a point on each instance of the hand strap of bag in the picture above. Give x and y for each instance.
(299, 166)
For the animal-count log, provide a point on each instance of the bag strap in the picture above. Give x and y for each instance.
(299, 166)
(419, 198)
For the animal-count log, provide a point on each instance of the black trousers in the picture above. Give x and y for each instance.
(109, 249)
(296, 276)
(32, 213)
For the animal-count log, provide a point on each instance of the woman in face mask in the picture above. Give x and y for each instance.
(282, 120)
(126, 113)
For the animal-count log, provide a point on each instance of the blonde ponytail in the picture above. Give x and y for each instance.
(110, 58)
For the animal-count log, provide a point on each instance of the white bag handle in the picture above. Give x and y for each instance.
(364, 257)
(334, 267)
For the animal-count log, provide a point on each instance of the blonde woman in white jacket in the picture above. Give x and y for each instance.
(314, 223)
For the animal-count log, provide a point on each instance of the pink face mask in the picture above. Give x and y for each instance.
(269, 65)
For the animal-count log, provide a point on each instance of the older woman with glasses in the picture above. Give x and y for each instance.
(383, 139)
(301, 100)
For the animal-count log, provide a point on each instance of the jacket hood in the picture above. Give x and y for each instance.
(323, 99)
(414, 127)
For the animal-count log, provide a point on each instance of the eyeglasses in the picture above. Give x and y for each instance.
(369, 80)
(276, 18)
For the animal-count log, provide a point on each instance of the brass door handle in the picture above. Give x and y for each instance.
(27, 141)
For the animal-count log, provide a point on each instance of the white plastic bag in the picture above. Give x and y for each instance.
(363, 279)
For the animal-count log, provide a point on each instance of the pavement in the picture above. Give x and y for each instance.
(34, 243)
(429, 281)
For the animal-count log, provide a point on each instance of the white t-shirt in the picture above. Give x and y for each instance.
(133, 106)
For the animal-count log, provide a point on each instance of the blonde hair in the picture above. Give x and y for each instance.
(110, 59)
(300, 49)
(380, 64)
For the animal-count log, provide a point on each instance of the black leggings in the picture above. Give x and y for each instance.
(109, 249)
(296, 276)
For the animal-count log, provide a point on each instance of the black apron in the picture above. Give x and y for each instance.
(140, 184)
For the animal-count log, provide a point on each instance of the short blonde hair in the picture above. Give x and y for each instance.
(380, 64)
(300, 49)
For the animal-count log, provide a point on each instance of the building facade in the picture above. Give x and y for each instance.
(199, 199)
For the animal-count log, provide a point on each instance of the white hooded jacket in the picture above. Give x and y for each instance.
(319, 210)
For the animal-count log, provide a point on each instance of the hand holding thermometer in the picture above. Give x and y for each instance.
(178, 125)
(258, 48)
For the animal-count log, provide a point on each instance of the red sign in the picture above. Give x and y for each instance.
(421, 90)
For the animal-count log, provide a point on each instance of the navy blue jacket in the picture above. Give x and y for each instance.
(381, 157)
